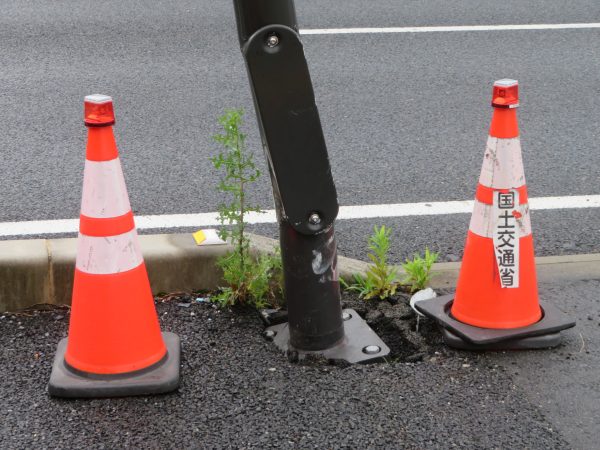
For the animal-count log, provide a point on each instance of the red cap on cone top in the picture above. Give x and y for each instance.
(98, 111)
(505, 93)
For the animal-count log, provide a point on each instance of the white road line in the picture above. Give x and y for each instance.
(43, 227)
(545, 26)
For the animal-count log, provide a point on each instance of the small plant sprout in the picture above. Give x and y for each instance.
(418, 270)
(380, 280)
(250, 280)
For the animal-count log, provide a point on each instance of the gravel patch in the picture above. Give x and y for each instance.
(239, 391)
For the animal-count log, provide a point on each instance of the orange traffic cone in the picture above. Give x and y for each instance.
(496, 303)
(115, 346)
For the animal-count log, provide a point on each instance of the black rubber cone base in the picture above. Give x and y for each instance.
(359, 345)
(543, 334)
(528, 343)
(157, 379)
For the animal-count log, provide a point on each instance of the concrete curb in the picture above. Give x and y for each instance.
(41, 270)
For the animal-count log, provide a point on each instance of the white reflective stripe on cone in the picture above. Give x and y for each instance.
(104, 192)
(502, 164)
(482, 222)
(111, 254)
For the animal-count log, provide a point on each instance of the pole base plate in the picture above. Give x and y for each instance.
(359, 345)
(543, 334)
(157, 379)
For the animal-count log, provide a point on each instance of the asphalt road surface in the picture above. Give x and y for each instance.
(238, 391)
(405, 115)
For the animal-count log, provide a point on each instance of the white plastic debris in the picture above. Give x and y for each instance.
(424, 294)
(419, 296)
(207, 237)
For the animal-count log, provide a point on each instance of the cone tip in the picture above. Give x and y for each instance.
(97, 98)
(98, 110)
(506, 82)
(505, 93)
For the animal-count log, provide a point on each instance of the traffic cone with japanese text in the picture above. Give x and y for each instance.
(496, 304)
(115, 347)
(498, 257)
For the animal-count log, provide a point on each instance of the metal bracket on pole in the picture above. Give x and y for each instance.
(303, 188)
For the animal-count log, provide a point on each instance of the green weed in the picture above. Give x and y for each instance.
(418, 270)
(380, 280)
(250, 280)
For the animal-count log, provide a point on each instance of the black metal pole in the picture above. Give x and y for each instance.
(303, 188)
(252, 15)
(312, 288)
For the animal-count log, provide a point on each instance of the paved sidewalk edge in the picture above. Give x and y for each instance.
(41, 270)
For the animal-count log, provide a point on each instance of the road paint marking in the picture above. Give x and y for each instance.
(44, 227)
(545, 26)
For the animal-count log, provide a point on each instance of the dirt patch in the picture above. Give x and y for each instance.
(409, 337)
